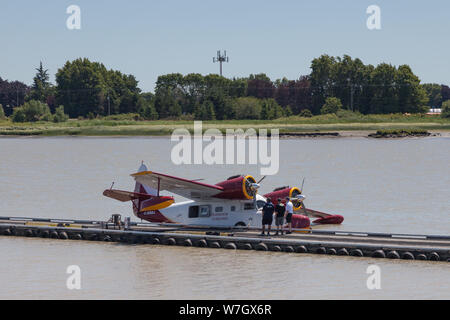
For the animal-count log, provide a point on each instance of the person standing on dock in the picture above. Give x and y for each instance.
(267, 216)
(288, 214)
(280, 210)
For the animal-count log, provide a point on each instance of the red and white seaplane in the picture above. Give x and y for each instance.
(230, 203)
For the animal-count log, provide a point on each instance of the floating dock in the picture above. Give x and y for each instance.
(341, 243)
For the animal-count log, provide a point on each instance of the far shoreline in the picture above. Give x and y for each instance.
(336, 134)
(289, 128)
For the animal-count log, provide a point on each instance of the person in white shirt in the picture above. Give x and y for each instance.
(288, 214)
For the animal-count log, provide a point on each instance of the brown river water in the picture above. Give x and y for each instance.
(399, 186)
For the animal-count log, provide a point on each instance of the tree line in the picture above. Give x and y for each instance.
(88, 89)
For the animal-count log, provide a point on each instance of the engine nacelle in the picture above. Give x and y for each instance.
(238, 188)
(283, 192)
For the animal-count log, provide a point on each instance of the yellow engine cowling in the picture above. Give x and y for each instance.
(282, 193)
(237, 188)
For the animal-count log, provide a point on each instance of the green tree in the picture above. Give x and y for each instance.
(434, 94)
(238, 88)
(205, 111)
(193, 88)
(384, 95)
(166, 104)
(18, 115)
(81, 87)
(149, 113)
(32, 111)
(265, 114)
(217, 90)
(146, 108)
(445, 112)
(247, 108)
(350, 78)
(412, 97)
(288, 111)
(41, 88)
(332, 105)
(209, 110)
(59, 115)
(270, 109)
(85, 87)
(322, 80)
(305, 113)
(2, 113)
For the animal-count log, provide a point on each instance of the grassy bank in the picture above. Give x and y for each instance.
(325, 123)
(399, 133)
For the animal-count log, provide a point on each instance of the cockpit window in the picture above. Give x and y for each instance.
(260, 204)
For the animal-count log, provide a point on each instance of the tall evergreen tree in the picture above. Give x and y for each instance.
(40, 90)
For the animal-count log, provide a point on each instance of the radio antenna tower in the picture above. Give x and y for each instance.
(221, 58)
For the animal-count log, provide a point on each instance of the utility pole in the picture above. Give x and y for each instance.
(221, 58)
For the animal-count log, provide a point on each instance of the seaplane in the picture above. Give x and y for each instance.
(234, 202)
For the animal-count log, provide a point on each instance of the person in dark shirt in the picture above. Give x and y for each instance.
(280, 209)
(267, 216)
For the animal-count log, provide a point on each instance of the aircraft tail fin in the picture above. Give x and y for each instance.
(142, 188)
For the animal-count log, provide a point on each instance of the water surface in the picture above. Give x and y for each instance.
(397, 186)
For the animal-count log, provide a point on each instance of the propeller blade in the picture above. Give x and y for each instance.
(261, 179)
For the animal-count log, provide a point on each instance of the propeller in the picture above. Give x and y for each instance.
(261, 179)
(303, 202)
(253, 187)
(298, 198)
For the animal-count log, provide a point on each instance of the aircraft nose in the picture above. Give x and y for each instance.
(255, 186)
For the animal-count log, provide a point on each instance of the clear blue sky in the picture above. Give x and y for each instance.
(279, 38)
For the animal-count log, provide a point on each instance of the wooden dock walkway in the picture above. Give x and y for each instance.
(316, 241)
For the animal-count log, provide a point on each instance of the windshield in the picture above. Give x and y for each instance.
(260, 204)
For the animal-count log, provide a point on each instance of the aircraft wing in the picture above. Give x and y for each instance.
(186, 188)
(324, 218)
(125, 195)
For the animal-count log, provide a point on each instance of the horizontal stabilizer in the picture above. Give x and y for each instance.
(125, 196)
